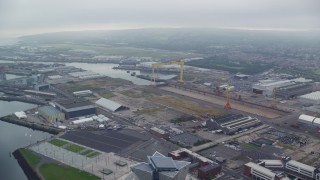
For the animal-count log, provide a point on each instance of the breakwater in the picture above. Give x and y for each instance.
(34, 126)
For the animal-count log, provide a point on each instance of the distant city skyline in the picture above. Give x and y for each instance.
(18, 17)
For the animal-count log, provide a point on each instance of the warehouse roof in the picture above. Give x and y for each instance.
(306, 118)
(270, 162)
(74, 103)
(20, 115)
(310, 119)
(49, 110)
(301, 165)
(312, 96)
(108, 104)
(261, 169)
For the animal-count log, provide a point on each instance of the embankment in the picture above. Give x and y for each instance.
(35, 126)
(27, 169)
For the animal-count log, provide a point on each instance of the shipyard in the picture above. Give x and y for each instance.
(166, 90)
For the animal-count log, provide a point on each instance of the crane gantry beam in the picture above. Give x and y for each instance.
(156, 65)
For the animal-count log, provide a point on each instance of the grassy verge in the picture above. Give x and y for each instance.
(93, 154)
(148, 110)
(74, 148)
(86, 152)
(30, 157)
(58, 142)
(106, 94)
(131, 93)
(54, 171)
(249, 146)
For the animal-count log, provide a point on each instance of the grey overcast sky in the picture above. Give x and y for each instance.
(20, 17)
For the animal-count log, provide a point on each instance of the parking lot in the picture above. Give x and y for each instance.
(186, 139)
(106, 141)
(220, 151)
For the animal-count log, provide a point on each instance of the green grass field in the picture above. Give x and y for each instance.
(86, 152)
(58, 142)
(74, 148)
(249, 146)
(30, 157)
(93, 154)
(54, 172)
(106, 94)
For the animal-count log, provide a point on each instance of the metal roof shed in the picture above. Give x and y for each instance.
(306, 119)
(110, 105)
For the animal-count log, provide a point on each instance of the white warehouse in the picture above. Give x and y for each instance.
(310, 120)
(266, 87)
(311, 98)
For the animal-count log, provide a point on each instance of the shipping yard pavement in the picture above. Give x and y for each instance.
(221, 101)
(93, 165)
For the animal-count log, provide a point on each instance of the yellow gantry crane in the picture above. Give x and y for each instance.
(156, 65)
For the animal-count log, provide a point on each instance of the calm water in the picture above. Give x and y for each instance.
(106, 69)
(13, 137)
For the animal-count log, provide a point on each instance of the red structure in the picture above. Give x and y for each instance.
(227, 106)
(209, 171)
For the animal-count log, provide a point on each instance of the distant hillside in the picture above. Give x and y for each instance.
(195, 40)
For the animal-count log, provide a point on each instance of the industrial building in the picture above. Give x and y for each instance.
(159, 132)
(85, 75)
(82, 93)
(309, 120)
(241, 76)
(110, 105)
(20, 115)
(51, 114)
(76, 108)
(40, 93)
(266, 87)
(294, 90)
(311, 98)
(41, 87)
(278, 169)
(160, 167)
(82, 120)
(232, 123)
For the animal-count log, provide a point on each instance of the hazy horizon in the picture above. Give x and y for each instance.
(18, 17)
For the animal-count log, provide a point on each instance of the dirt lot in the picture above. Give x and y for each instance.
(222, 102)
(186, 106)
(143, 111)
(103, 86)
